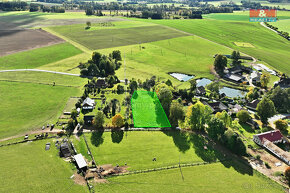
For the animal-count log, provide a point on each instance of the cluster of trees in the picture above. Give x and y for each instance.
(13, 6)
(101, 65)
(91, 11)
(281, 99)
(281, 33)
(235, 57)
(32, 7)
(218, 126)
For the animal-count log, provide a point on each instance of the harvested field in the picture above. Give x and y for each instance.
(14, 40)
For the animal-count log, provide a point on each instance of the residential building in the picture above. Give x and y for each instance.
(253, 105)
(274, 136)
(88, 104)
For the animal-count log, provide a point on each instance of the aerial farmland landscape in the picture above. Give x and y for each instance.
(145, 96)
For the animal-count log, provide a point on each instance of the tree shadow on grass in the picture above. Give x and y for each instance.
(97, 138)
(180, 139)
(117, 136)
(213, 153)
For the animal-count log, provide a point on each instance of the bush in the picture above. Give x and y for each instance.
(243, 116)
(282, 125)
(267, 165)
(258, 157)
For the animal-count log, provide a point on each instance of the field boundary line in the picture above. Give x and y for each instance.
(41, 83)
(166, 168)
(76, 44)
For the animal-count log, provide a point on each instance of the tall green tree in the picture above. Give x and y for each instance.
(235, 57)
(265, 109)
(220, 63)
(265, 79)
(99, 120)
(192, 85)
(176, 113)
(281, 99)
(225, 118)
(165, 96)
(133, 86)
(216, 128)
(282, 125)
(198, 115)
(243, 116)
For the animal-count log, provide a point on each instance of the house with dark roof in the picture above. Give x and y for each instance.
(236, 78)
(274, 136)
(88, 119)
(200, 90)
(64, 150)
(88, 104)
(216, 106)
(253, 105)
(283, 83)
(101, 83)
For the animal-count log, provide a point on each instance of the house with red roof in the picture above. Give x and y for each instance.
(274, 136)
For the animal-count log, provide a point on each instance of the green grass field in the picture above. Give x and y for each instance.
(190, 55)
(44, 78)
(38, 57)
(147, 110)
(207, 179)
(29, 168)
(120, 35)
(283, 25)
(26, 106)
(138, 148)
(269, 47)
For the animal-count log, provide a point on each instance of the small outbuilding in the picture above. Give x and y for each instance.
(80, 161)
(88, 104)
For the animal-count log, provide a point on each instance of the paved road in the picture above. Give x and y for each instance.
(263, 24)
(38, 70)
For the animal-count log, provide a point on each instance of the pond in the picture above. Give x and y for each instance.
(230, 92)
(181, 77)
(203, 82)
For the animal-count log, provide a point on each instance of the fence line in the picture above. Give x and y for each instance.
(29, 140)
(165, 168)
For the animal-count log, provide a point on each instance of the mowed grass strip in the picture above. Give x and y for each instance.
(43, 78)
(147, 110)
(138, 148)
(108, 38)
(26, 106)
(204, 178)
(38, 57)
(28, 167)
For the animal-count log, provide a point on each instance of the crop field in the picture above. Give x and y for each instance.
(138, 148)
(117, 36)
(38, 57)
(16, 40)
(27, 106)
(29, 168)
(147, 110)
(43, 78)
(215, 177)
(269, 47)
(189, 55)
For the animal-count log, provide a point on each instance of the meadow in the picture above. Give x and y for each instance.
(283, 25)
(207, 178)
(137, 149)
(147, 110)
(38, 57)
(43, 78)
(269, 47)
(119, 35)
(190, 55)
(27, 106)
(28, 167)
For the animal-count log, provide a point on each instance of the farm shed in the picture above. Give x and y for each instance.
(80, 161)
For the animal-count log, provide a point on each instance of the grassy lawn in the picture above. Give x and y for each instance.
(283, 25)
(43, 78)
(26, 106)
(189, 55)
(244, 44)
(137, 149)
(119, 35)
(269, 46)
(208, 178)
(29, 168)
(38, 57)
(147, 110)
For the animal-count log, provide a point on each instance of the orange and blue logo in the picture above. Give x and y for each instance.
(263, 15)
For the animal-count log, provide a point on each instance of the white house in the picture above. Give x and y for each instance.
(88, 104)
